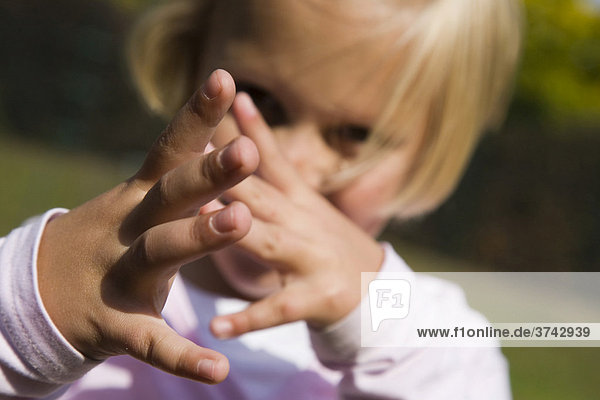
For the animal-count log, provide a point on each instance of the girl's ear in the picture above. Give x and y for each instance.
(165, 52)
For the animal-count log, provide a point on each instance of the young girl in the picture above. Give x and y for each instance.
(347, 114)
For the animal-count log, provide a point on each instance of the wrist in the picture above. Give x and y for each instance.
(343, 296)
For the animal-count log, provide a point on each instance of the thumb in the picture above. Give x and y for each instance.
(160, 346)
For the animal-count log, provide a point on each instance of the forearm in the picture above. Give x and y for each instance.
(35, 360)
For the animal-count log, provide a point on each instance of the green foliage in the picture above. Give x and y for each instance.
(553, 373)
(65, 80)
(560, 75)
(36, 179)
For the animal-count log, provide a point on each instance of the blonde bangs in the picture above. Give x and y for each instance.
(459, 59)
(453, 67)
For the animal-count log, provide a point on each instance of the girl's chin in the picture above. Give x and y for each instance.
(246, 276)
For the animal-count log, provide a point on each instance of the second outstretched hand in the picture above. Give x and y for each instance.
(105, 268)
(318, 251)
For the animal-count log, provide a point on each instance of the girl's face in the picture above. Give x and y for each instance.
(320, 82)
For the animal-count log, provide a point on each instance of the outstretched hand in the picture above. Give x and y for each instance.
(317, 250)
(105, 268)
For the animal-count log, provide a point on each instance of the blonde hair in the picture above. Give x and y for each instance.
(163, 53)
(452, 84)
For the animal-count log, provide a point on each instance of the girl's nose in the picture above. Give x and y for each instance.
(304, 146)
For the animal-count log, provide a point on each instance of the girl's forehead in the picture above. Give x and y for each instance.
(334, 55)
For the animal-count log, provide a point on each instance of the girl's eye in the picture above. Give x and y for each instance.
(348, 139)
(271, 109)
(353, 133)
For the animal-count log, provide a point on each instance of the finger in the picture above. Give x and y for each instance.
(265, 201)
(191, 129)
(214, 205)
(161, 347)
(169, 245)
(182, 191)
(289, 305)
(274, 167)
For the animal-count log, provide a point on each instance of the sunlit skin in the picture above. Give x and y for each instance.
(313, 98)
(281, 237)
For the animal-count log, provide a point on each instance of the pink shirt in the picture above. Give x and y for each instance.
(290, 361)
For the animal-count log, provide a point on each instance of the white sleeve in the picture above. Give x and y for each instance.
(413, 373)
(35, 359)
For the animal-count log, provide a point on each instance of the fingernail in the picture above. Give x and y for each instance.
(248, 105)
(223, 222)
(212, 87)
(206, 369)
(227, 159)
(222, 328)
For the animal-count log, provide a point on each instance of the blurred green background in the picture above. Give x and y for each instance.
(71, 126)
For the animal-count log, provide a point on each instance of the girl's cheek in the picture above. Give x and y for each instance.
(364, 200)
(361, 207)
